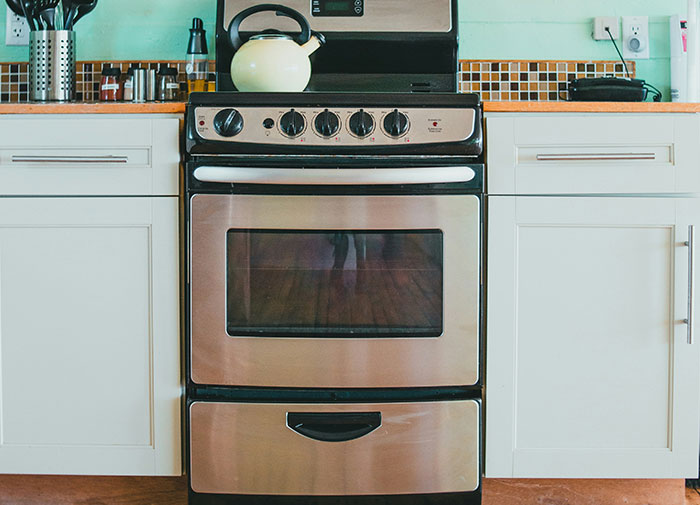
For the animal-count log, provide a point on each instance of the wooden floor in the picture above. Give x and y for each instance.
(68, 490)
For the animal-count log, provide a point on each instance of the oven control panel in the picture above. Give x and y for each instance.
(340, 126)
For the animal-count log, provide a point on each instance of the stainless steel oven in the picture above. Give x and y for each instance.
(334, 294)
(335, 291)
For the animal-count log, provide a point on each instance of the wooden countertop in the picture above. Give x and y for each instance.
(179, 107)
(648, 107)
(93, 108)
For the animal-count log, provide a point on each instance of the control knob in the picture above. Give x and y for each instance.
(292, 123)
(361, 123)
(327, 123)
(228, 122)
(396, 123)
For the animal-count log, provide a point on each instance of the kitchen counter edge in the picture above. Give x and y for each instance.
(603, 107)
(93, 108)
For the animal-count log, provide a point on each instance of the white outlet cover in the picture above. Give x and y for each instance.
(16, 30)
(635, 37)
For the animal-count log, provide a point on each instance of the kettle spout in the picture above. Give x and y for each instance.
(315, 41)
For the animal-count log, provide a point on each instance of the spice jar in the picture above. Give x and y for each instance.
(168, 87)
(110, 87)
(129, 83)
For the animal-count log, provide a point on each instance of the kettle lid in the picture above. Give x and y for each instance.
(271, 36)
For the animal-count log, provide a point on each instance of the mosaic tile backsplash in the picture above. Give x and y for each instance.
(531, 80)
(493, 80)
(14, 78)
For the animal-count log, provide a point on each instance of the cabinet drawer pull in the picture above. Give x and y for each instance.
(691, 284)
(597, 157)
(70, 159)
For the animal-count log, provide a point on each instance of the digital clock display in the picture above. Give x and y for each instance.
(337, 6)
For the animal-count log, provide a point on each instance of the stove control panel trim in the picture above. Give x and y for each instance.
(389, 126)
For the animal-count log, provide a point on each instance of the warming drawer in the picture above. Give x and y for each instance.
(339, 449)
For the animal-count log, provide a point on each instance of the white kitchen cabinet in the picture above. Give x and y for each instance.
(589, 373)
(90, 366)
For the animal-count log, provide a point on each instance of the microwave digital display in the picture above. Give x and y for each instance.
(353, 8)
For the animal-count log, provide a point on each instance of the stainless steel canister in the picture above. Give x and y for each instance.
(139, 85)
(52, 65)
(151, 85)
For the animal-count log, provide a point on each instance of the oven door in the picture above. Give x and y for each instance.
(334, 291)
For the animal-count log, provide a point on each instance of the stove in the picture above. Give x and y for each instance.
(334, 347)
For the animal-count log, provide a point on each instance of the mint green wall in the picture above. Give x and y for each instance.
(499, 29)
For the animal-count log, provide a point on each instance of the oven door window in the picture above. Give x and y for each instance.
(334, 284)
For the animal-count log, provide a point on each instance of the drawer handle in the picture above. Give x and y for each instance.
(70, 159)
(690, 321)
(597, 157)
(334, 427)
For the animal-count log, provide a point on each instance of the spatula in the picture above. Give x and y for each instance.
(80, 9)
(47, 11)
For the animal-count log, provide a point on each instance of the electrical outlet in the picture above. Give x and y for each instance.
(635, 37)
(16, 30)
(601, 23)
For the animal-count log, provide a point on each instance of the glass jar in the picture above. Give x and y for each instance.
(168, 87)
(110, 87)
(129, 83)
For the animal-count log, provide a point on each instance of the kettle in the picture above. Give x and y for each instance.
(271, 60)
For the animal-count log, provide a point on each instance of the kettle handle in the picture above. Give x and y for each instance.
(233, 28)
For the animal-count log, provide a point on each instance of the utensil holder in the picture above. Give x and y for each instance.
(52, 66)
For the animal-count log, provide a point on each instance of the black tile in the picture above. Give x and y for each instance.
(79, 97)
(87, 67)
(514, 86)
(4, 97)
(476, 77)
(96, 86)
(495, 86)
(533, 67)
(523, 95)
(494, 67)
(533, 95)
(590, 67)
(619, 67)
(553, 95)
(580, 67)
(570, 77)
(485, 86)
(552, 76)
(505, 77)
(523, 77)
(563, 86)
(23, 87)
(542, 76)
(14, 68)
(14, 78)
(24, 97)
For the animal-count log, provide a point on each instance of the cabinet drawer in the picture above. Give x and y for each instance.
(593, 154)
(89, 155)
(427, 447)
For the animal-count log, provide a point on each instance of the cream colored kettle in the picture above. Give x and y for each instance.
(272, 61)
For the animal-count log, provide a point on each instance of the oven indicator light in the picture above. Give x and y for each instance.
(408, 140)
(435, 123)
(202, 123)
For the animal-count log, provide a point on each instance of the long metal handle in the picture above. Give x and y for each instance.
(70, 159)
(691, 284)
(334, 176)
(597, 157)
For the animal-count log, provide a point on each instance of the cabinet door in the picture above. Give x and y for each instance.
(589, 372)
(89, 337)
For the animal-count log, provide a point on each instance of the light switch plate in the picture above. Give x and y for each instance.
(16, 30)
(635, 37)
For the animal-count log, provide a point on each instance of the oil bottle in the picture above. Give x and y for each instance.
(197, 68)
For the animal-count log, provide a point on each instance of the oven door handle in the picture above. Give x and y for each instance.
(334, 427)
(334, 176)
